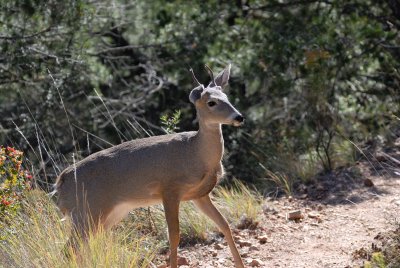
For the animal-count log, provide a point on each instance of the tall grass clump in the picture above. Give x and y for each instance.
(282, 181)
(114, 249)
(391, 247)
(36, 237)
(238, 202)
(194, 224)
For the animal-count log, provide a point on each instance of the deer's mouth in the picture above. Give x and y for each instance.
(238, 121)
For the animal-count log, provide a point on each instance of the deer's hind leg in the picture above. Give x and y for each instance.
(83, 225)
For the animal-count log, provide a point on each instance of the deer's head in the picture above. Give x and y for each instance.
(212, 104)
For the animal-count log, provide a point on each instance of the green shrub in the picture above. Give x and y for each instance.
(377, 261)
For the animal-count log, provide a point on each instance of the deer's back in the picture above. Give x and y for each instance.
(135, 169)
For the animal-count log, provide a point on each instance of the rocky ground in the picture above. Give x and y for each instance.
(326, 224)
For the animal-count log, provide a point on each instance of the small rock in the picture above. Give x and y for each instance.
(290, 198)
(313, 215)
(243, 243)
(213, 253)
(221, 260)
(183, 261)
(244, 254)
(262, 239)
(303, 196)
(246, 223)
(162, 266)
(252, 232)
(302, 188)
(368, 183)
(218, 246)
(254, 262)
(237, 237)
(253, 248)
(269, 210)
(380, 157)
(294, 215)
(320, 188)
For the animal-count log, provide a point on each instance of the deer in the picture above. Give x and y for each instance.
(104, 187)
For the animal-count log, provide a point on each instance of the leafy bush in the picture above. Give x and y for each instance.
(170, 123)
(14, 181)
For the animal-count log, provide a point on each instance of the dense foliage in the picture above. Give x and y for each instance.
(312, 77)
(14, 182)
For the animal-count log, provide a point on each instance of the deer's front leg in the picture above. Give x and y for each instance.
(205, 205)
(171, 209)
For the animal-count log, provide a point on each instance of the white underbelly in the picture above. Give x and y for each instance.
(120, 211)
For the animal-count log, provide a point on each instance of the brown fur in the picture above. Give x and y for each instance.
(104, 187)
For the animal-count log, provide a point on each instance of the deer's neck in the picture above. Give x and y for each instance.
(211, 143)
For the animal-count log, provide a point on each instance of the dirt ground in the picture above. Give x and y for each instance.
(341, 215)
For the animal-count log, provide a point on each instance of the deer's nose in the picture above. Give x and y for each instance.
(239, 118)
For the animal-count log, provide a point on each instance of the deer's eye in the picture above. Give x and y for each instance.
(211, 103)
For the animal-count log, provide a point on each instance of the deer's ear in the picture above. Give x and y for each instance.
(222, 78)
(195, 94)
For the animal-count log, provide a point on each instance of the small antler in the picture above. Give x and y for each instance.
(194, 77)
(210, 72)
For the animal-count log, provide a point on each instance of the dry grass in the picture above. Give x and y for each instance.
(238, 203)
(36, 238)
(391, 246)
(282, 181)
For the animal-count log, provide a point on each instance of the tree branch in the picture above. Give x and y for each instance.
(16, 37)
(289, 4)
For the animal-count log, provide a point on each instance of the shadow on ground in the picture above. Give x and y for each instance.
(355, 184)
